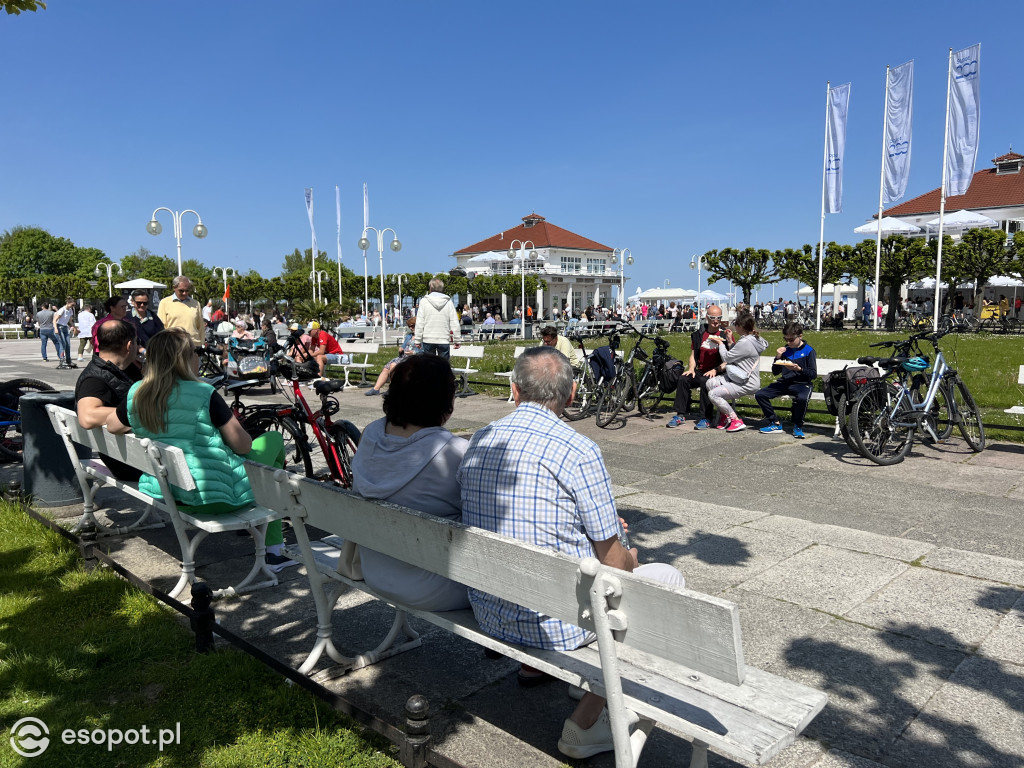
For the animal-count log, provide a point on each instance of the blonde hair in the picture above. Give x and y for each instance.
(168, 361)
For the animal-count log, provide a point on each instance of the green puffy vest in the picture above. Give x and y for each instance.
(218, 471)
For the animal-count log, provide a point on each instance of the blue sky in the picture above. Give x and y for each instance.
(669, 128)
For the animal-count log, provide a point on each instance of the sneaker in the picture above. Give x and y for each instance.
(771, 429)
(723, 422)
(798, 433)
(702, 424)
(736, 425)
(80, 358)
(575, 692)
(278, 563)
(676, 421)
(372, 392)
(579, 743)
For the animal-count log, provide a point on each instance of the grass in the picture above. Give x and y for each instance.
(987, 362)
(84, 649)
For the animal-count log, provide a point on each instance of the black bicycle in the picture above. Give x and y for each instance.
(625, 390)
(11, 441)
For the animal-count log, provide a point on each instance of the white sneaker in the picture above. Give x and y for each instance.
(579, 743)
(79, 358)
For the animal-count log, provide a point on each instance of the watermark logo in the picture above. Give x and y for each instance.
(30, 737)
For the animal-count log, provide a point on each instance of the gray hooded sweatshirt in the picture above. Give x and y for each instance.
(742, 361)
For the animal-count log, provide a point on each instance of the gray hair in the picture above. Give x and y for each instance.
(435, 285)
(543, 375)
(179, 280)
(140, 292)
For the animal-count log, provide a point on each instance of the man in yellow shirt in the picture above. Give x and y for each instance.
(551, 338)
(180, 310)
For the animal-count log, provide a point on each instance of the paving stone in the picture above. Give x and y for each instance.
(719, 514)
(837, 758)
(1006, 643)
(983, 566)
(770, 626)
(826, 578)
(975, 719)
(942, 608)
(733, 555)
(845, 538)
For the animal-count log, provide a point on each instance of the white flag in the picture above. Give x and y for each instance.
(838, 106)
(337, 203)
(366, 208)
(309, 210)
(963, 120)
(899, 118)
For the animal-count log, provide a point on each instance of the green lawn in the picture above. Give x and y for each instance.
(84, 649)
(987, 362)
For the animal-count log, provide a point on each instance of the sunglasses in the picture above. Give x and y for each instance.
(141, 303)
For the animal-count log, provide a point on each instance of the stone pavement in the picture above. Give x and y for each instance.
(897, 590)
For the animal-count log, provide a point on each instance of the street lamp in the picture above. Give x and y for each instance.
(317, 276)
(199, 230)
(665, 284)
(522, 273)
(398, 310)
(695, 263)
(110, 269)
(627, 258)
(225, 273)
(364, 246)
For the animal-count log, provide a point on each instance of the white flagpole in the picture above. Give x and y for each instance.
(821, 238)
(881, 186)
(313, 249)
(337, 202)
(942, 195)
(366, 274)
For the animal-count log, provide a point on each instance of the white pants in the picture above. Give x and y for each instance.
(722, 391)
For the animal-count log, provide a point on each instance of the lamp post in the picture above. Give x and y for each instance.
(665, 284)
(695, 263)
(317, 276)
(626, 257)
(110, 269)
(199, 230)
(364, 246)
(225, 273)
(522, 275)
(398, 309)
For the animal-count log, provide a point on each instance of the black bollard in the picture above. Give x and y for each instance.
(417, 732)
(202, 623)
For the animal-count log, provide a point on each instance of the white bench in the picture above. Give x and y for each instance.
(465, 353)
(357, 348)
(167, 464)
(825, 366)
(498, 330)
(11, 328)
(669, 654)
(508, 374)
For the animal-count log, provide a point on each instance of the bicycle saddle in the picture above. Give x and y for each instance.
(882, 362)
(327, 387)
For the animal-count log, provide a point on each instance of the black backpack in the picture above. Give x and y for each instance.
(671, 372)
(845, 382)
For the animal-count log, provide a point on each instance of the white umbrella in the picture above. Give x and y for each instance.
(489, 256)
(890, 226)
(710, 295)
(140, 282)
(827, 290)
(964, 220)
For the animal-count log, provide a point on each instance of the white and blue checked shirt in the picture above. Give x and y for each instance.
(532, 477)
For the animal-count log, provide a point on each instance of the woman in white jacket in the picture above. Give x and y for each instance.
(742, 374)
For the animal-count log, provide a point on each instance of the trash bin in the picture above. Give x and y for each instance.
(528, 331)
(49, 477)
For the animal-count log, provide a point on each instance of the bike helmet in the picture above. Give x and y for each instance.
(915, 364)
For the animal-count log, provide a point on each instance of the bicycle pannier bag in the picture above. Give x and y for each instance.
(671, 372)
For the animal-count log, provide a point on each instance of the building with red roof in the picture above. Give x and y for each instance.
(578, 270)
(996, 192)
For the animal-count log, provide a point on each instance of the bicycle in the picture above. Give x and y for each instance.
(886, 416)
(621, 391)
(337, 440)
(958, 322)
(11, 439)
(587, 391)
(997, 322)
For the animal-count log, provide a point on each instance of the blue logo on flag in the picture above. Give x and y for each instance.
(898, 146)
(966, 69)
(832, 166)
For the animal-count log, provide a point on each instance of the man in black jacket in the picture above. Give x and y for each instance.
(147, 324)
(705, 362)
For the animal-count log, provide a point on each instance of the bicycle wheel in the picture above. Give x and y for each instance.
(648, 391)
(1011, 325)
(296, 447)
(629, 395)
(586, 395)
(882, 424)
(613, 394)
(843, 407)
(345, 435)
(10, 434)
(968, 417)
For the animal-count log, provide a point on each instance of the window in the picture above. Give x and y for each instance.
(571, 264)
(595, 266)
(534, 266)
(501, 267)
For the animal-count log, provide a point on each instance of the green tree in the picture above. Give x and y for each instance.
(746, 268)
(26, 251)
(902, 260)
(15, 7)
(981, 255)
(802, 265)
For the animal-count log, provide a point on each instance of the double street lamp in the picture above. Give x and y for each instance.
(110, 269)
(318, 276)
(199, 230)
(522, 273)
(364, 246)
(225, 272)
(695, 263)
(622, 257)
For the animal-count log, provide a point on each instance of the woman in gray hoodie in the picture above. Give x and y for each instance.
(409, 458)
(742, 374)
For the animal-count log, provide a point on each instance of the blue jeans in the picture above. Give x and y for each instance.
(64, 334)
(48, 333)
(441, 350)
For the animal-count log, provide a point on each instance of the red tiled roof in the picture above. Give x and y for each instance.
(988, 190)
(543, 235)
(1007, 157)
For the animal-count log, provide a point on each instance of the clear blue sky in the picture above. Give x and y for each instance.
(666, 127)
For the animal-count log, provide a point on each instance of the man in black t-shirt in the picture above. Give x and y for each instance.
(105, 382)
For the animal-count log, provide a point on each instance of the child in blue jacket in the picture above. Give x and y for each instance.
(798, 365)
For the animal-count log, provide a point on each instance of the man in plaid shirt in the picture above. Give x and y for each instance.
(532, 477)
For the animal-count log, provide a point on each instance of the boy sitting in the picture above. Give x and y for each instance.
(798, 364)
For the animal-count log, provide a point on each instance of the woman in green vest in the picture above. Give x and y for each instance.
(171, 405)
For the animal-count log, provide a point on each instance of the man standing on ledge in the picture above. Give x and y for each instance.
(180, 310)
(437, 324)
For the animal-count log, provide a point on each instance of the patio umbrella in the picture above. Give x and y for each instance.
(890, 226)
(964, 220)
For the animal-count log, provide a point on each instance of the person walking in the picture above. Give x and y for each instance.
(46, 320)
(63, 319)
(86, 320)
(437, 324)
